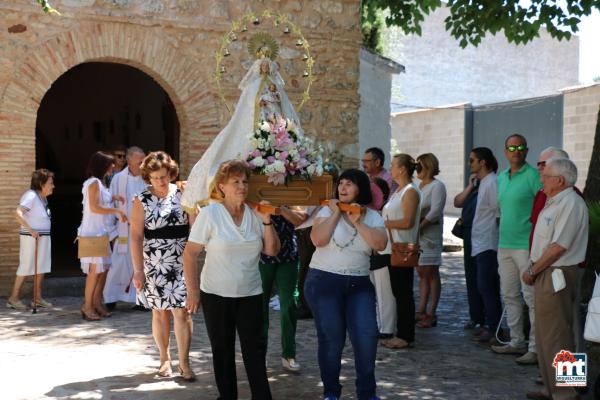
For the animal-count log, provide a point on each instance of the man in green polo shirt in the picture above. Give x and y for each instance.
(517, 187)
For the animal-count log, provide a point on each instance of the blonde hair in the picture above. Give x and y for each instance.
(430, 163)
(226, 169)
(406, 161)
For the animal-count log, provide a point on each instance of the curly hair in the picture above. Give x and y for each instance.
(39, 177)
(226, 169)
(156, 161)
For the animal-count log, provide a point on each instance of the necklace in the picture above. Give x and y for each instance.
(348, 243)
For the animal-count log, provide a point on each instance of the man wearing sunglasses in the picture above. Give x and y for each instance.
(517, 188)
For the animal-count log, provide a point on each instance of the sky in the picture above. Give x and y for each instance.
(589, 48)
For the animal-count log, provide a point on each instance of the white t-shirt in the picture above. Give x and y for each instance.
(347, 253)
(36, 213)
(232, 252)
(484, 231)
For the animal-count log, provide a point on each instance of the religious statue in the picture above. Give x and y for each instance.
(263, 98)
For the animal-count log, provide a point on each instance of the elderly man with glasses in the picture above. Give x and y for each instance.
(559, 246)
(517, 187)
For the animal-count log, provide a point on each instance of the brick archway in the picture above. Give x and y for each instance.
(179, 75)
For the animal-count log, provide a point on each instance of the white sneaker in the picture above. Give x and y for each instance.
(290, 364)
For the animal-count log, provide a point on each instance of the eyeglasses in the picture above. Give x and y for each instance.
(512, 148)
(159, 178)
(541, 164)
(119, 155)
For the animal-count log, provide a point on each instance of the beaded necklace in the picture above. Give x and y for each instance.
(348, 243)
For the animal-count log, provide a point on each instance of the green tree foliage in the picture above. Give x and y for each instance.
(372, 23)
(470, 21)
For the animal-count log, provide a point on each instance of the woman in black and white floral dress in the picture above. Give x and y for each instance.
(159, 230)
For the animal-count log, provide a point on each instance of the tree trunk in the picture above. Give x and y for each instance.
(592, 193)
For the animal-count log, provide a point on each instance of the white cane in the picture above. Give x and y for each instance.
(35, 263)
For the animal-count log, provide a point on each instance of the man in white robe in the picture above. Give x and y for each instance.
(124, 186)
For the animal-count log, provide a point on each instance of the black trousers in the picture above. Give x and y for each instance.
(306, 248)
(402, 280)
(476, 310)
(223, 316)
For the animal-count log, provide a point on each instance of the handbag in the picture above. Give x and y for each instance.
(458, 229)
(591, 332)
(92, 246)
(404, 255)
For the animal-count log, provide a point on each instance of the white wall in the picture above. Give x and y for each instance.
(439, 72)
(374, 129)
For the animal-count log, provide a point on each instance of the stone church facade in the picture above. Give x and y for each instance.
(174, 43)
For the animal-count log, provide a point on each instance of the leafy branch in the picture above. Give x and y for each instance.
(47, 7)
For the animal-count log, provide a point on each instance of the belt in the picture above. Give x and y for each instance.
(168, 232)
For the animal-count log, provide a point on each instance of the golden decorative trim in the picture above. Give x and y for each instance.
(240, 26)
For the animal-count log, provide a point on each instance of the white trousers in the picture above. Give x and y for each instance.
(386, 302)
(512, 263)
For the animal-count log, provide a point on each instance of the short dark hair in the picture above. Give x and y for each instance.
(39, 177)
(377, 153)
(383, 185)
(517, 135)
(99, 164)
(485, 154)
(155, 161)
(360, 179)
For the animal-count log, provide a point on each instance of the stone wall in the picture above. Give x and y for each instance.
(439, 72)
(173, 41)
(580, 115)
(441, 132)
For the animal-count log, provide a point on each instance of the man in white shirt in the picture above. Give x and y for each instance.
(124, 186)
(484, 239)
(559, 245)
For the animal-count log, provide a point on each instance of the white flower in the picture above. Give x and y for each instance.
(291, 126)
(293, 152)
(265, 126)
(319, 170)
(258, 162)
(311, 169)
(254, 142)
(278, 166)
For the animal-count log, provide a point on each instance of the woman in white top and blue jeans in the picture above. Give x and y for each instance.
(230, 284)
(402, 214)
(338, 288)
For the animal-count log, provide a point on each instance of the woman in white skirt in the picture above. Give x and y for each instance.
(433, 200)
(34, 216)
(97, 221)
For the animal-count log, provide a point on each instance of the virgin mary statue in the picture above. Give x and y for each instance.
(263, 98)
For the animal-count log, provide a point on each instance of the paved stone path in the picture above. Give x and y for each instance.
(56, 355)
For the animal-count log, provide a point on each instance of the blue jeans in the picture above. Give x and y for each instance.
(340, 303)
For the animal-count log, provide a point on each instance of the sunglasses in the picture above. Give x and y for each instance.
(513, 148)
(541, 164)
(119, 155)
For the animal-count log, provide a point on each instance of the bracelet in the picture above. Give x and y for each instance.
(270, 223)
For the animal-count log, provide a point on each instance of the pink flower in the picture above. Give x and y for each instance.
(277, 178)
(283, 155)
(256, 153)
(271, 159)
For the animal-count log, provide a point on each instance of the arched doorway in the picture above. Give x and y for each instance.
(95, 106)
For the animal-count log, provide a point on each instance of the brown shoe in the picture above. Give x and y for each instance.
(537, 396)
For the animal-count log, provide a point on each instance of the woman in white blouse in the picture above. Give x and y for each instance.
(34, 216)
(433, 199)
(402, 214)
(230, 284)
(338, 288)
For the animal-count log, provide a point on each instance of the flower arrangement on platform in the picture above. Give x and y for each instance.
(280, 153)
